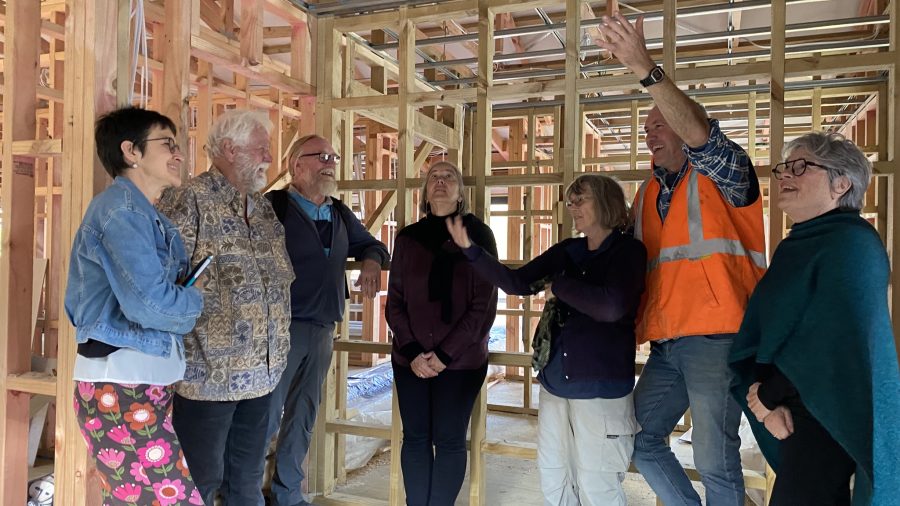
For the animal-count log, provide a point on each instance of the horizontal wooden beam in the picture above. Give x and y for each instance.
(32, 383)
(358, 429)
(41, 147)
(220, 51)
(424, 127)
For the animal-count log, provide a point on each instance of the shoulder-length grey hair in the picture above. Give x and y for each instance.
(609, 199)
(463, 206)
(842, 158)
(237, 125)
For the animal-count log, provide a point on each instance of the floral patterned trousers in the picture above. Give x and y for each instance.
(128, 430)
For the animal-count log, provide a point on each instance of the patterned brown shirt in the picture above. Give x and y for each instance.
(238, 349)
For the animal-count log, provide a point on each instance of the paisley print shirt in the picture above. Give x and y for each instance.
(238, 349)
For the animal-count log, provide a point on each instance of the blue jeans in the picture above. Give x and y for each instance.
(690, 372)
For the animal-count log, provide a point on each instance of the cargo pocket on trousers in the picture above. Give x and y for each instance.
(618, 443)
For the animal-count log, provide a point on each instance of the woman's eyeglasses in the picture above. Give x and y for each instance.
(169, 142)
(796, 167)
(577, 201)
(324, 157)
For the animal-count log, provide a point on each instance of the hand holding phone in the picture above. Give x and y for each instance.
(197, 271)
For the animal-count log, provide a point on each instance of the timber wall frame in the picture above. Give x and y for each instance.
(49, 171)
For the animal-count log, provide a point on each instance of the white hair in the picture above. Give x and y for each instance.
(842, 158)
(236, 125)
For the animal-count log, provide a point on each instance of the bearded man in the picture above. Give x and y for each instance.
(321, 234)
(238, 349)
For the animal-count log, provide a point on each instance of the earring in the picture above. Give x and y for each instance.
(134, 165)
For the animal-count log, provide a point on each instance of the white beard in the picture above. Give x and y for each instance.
(328, 187)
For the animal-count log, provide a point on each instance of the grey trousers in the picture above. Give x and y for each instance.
(298, 394)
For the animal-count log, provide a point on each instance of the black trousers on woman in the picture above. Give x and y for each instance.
(435, 414)
(814, 470)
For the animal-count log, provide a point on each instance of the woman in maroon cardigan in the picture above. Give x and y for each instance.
(440, 313)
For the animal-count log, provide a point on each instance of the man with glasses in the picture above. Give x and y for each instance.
(238, 349)
(321, 234)
(700, 217)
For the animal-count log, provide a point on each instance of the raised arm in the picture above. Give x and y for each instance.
(512, 281)
(626, 42)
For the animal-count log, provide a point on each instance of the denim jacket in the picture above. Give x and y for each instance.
(122, 287)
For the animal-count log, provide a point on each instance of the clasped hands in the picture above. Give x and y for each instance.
(778, 421)
(427, 365)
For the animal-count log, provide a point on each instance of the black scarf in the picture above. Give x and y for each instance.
(431, 232)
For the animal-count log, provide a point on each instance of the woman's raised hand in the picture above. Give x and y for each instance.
(458, 232)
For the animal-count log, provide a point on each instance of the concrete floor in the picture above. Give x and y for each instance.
(510, 481)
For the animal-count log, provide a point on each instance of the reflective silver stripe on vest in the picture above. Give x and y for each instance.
(699, 247)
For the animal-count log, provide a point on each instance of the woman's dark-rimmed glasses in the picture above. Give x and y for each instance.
(169, 142)
(796, 167)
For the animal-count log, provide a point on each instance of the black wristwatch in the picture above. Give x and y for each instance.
(656, 75)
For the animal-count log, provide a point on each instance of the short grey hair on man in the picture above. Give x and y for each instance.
(842, 157)
(463, 206)
(237, 125)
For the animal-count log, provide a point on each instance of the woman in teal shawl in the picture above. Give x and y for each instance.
(815, 360)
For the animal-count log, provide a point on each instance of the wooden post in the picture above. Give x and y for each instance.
(776, 121)
(21, 59)
(481, 156)
(176, 58)
(251, 31)
(574, 119)
(405, 138)
(91, 52)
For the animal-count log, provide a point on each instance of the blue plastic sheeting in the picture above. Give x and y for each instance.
(373, 382)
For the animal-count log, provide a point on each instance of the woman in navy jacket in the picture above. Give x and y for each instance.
(586, 424)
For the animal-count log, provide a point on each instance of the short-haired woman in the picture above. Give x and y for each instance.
(815, 362)
(440, 312)
(586, 423)
(130, 312)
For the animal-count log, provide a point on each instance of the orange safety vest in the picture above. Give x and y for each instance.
(703, 261)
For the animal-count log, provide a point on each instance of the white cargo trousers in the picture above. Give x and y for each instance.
(584, 448)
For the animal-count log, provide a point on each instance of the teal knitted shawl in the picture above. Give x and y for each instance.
(820, 315)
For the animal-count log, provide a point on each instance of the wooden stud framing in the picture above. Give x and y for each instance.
(21, 49)
(96, 48)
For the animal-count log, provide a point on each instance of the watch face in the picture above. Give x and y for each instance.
(656, 74)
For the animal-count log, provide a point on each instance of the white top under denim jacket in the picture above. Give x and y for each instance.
(126, 259)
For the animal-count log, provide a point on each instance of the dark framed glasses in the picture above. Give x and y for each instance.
(324, 157)
(795, 167)
(169, 142)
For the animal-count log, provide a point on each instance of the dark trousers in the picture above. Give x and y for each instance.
(435, 414)
(298, 393)
(224, 439)
(814, 469)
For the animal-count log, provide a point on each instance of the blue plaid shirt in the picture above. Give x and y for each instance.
(721, 160)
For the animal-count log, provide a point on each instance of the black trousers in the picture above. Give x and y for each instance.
(815, 470)
(435, 414)
(224, 439)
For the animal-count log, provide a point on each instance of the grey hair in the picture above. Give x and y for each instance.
(462, 207)
(237, 125)
(842, 158)
(609, 199)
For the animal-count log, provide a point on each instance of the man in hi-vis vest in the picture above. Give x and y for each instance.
(700, 217)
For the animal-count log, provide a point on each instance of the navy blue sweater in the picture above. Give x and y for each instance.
(599, 293)
(320, 287)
